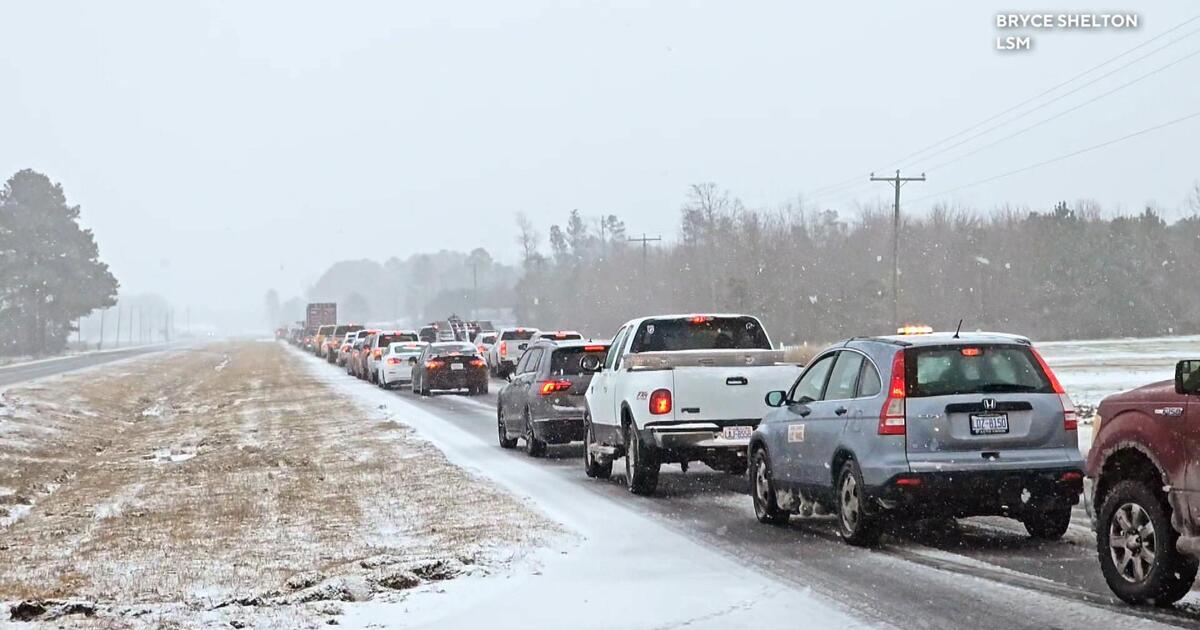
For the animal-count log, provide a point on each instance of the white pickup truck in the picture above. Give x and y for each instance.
(680, 388)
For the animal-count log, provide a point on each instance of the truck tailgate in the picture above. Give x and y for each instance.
(727, 393)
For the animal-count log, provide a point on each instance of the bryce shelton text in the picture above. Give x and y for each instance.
(1016, 28)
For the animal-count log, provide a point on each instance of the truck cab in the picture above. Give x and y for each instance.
(1145, 466)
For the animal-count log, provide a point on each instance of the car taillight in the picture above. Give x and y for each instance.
(504, 348)
(660, 402)
(594, 348)
(433, 365)
(1070, 418)
(478, 362)
(378, 352)
(549, 387)
(891, 417)
(393, 361)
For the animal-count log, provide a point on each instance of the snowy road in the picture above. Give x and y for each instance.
(21, 372)
(983, 573)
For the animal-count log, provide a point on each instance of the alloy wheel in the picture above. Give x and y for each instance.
(1132, 542)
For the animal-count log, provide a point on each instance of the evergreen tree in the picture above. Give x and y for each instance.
(50, 272)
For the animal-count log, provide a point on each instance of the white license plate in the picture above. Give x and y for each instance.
(456, 366)
(989, 423)
(737, 433)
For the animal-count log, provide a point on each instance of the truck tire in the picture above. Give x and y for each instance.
(766, 509)
(592, 466)
(505, 441)
(533, 446)
(1049, 524)
(1136, 545)
(855, 524)
(641, 464)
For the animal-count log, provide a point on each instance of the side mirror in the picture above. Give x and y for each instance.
(775, 398)
(1187, 377)
(590, 363)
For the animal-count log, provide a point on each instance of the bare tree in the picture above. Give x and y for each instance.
(527, 238)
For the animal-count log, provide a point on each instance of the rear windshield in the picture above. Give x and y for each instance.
(519, 335)
(443, 349)
(388, 339)
(562, 336)
(565, 361)
(346, 328)
(406, 348)
(700, 333)
(982, 369)
(488, 338)
(325, 330)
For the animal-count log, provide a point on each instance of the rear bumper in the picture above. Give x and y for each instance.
(560, 430)
(703, 436)
(457, 379)
(979, 492)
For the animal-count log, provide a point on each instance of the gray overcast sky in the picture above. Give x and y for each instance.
(221, 149)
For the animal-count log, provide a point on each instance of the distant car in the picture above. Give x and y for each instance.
(346, 348)
(356, 364)
(920, 426)
(558, 335)
(378, 346)
(333, 342)
(510, 343)
(450, 365)
(484, 340)
(398, 362)
(1145, 466)
(318, 342)
(543, 403)
(428, 334)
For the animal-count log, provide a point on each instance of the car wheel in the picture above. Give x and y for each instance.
(855, 524)
(1136, 545)
(505, 441)
(641, 464)
(1047, 524)
(533, 446)
(766, 509)
(592, 466)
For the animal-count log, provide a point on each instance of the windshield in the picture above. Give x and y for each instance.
(975, 369)
(700, 333)
(518, 335)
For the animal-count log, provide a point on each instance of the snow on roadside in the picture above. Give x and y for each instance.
(625, 569)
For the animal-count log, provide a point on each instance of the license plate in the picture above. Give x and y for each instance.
(737, 433)
(459, 366)
(989, 423)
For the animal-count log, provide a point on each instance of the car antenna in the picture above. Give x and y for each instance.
(959, 329)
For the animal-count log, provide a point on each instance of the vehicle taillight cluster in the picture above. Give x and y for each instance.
(478, 362)
(433, 365)
(660, 402)
(892, 416)
(1070, 418)
(393, 361)
(549, 387)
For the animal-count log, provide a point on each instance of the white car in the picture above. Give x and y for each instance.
(397, 365)
(379, 345)
(510, 343)
(484, 340)
(680, 388)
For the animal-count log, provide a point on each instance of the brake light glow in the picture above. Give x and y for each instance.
(478, 362)
(700, 319)
(594, 348)
(1071, 475)
(660, 402)
(549, 387)
(971, 352)
(433, 365)
(908, 482)
(393, 361)
(1070, 418)
(892, 416)
(503, 348)
(378, 353)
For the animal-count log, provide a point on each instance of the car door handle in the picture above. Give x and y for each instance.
(841, 411)
(736, 380)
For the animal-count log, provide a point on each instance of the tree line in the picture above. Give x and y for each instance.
(50, 268)
(1062, 272)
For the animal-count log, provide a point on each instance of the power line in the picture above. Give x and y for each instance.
(1064, 156)
(961, 156)
(850, 182)
(897, 182)
(1074, 91)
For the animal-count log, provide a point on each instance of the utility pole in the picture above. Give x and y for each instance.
(644, 241)
(896, 183)
(100, 346)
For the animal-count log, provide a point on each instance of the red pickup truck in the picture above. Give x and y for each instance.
(1145, 467)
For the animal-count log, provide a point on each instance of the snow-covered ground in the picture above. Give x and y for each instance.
(623, 570)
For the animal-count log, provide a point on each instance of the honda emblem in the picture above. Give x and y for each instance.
(989, 404)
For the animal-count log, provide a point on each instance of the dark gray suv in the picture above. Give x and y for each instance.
(919, 426)
(543, 402)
